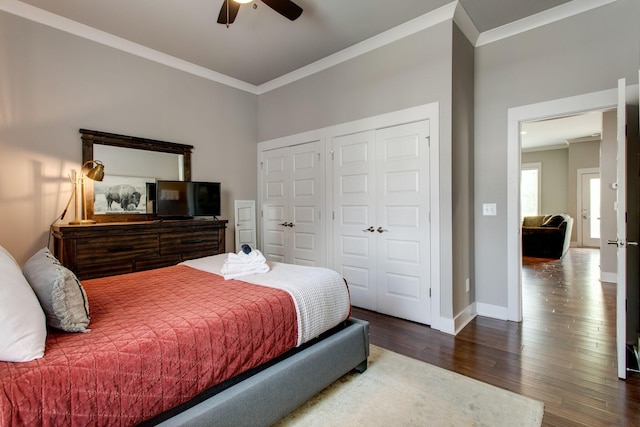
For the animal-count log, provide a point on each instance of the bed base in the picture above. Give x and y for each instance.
(267, 396)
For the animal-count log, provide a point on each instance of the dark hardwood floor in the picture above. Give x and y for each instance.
(563, 353)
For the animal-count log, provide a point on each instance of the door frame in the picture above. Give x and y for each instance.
(578, 221)
(603, 100)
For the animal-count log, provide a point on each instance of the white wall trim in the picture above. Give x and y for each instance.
(466, 25)
(609, 277)
(492, 311)
(557, 13)
(464, 317)
(605, 99)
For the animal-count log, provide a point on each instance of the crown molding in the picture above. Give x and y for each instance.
(451, 11)
(58, 22)
(549, 16)
(466, 25)
(416, 25)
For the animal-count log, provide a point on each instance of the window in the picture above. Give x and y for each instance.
(530, 188)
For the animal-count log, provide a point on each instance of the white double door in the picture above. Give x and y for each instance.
(293, 204)
(381, 231)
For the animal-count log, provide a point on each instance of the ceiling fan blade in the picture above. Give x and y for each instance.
(233, 12)
(286, 8)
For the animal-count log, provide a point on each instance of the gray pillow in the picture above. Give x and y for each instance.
(59, 291)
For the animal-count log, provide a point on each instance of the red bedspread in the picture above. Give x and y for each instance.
(157, 339)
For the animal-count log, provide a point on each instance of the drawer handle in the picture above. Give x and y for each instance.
(189, 242)
(120, 249)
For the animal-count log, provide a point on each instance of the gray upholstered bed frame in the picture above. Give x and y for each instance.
(269, 395)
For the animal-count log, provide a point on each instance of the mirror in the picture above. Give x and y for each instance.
(130, 161)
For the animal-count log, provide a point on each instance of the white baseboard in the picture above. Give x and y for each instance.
(464, 317)
(492, 311)
(608, 277)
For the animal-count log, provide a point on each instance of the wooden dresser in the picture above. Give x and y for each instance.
(107, 249)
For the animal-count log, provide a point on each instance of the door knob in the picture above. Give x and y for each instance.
(632, 243)
(370, 229)
(381, 230)
(612, 242)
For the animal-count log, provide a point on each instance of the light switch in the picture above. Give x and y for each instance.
(489, 209)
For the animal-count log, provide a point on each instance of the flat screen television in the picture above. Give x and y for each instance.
(186, 199)
(206, 199)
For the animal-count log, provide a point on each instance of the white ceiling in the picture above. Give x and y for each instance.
(261, 46)
(560, 132)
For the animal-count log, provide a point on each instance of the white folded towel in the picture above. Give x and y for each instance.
(253, 257)
(241, 264)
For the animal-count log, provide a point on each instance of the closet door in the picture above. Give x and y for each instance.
(402, 207)
(354, 224)
(275, 208)
(292, 209)
(381, 219)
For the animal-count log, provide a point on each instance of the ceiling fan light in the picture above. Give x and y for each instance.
(243, 1)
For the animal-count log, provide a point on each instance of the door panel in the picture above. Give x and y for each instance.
(274, 205)
(245, 214)
(354, 210)
(306, 206)
(403, 207)
(293, 227)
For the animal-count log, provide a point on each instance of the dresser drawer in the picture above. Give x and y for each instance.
(204, 242)
(91, 271)
(113, 249)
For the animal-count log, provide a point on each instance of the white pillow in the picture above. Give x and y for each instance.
(59, 291)
(23, 330)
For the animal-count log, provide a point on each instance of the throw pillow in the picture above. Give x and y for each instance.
(554, 221)
(23, 330)
(59, 291)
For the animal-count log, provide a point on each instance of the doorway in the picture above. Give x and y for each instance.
(588, 208)
(603, 100)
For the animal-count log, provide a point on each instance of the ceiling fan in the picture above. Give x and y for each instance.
(230, 8)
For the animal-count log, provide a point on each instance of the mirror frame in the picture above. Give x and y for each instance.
(92, 137)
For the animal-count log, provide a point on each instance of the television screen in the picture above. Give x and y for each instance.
(174, 199)
(206, 198)
(186, 199)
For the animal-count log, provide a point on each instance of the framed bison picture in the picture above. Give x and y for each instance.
(120, 195)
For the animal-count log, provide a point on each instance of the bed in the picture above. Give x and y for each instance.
(178, 346)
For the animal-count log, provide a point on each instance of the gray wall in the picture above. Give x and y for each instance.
(462, 171)
(578, 55)
(554, 174)
(54, 83)
(410, 72)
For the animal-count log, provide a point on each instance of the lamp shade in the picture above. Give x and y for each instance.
(96, 173)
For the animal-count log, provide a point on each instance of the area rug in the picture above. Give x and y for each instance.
(400, 391)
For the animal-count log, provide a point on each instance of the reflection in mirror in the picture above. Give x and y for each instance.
(142, 163)
(130, 164)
